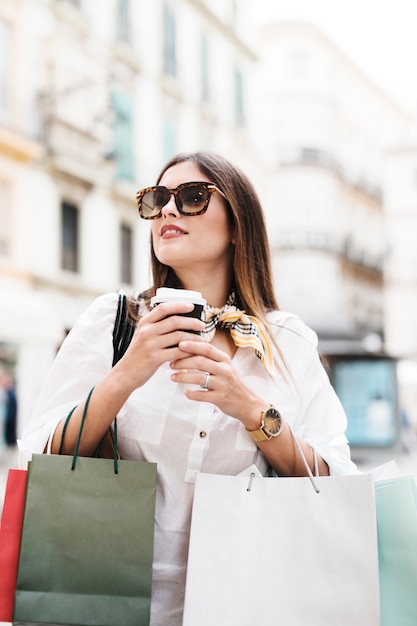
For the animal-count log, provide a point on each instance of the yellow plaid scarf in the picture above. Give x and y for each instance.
(246, 330)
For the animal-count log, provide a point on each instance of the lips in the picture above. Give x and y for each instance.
(171, 230)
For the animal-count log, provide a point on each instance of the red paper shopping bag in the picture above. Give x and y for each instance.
(10, 533)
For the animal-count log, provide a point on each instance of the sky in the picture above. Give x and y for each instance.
(379, 36)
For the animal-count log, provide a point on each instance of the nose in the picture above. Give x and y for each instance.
(170, 208)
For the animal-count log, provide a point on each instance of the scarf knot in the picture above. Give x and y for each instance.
(246, 330)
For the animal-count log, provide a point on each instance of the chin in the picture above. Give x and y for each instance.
(174, 260)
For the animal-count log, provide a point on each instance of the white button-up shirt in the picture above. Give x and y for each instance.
(159, 424)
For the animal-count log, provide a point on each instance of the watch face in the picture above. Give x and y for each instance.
(272, 421)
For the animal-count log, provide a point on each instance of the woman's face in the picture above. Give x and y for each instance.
(198, 242)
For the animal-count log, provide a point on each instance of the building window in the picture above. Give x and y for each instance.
(170, 47)
(5, 69)
(126, 256)
(123, 135)
(239, 99)
(4, 219)
(123, 21)
(70, 237)
(170, 140)
(205, 88)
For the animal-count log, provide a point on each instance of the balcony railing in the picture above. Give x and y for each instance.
(326, 159)
(343, 247)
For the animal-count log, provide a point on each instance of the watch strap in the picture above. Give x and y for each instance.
(259, 434)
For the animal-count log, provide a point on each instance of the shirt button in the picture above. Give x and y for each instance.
(203, 434)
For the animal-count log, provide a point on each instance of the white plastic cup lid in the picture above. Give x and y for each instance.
(167, 294)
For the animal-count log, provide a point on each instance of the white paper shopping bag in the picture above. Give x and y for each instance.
(272, 551)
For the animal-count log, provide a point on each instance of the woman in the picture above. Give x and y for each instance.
(187, 403)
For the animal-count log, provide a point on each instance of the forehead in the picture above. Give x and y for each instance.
(184, 172)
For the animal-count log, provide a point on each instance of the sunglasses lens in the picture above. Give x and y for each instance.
(153, 201)
(193, 198)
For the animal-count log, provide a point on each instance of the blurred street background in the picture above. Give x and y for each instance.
(315, 100)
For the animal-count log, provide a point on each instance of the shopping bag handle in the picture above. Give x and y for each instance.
(77, 445)
(301, 453)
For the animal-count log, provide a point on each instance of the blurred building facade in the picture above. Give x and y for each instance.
(401, 268)
(329, 129)
(96, 96)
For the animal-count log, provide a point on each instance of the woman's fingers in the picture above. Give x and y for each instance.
(175, 315)
(197, 347)
(202, 364)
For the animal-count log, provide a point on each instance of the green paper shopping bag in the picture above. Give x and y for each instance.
(87, 542)
(396, 505)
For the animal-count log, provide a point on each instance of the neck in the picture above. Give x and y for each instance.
(214, 288)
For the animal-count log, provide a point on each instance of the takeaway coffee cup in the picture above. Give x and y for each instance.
(166, 294)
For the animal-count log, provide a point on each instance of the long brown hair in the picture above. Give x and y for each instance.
(252, 279)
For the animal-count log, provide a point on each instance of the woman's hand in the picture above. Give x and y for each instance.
(226, 388)
(155, 342)
(230, 394)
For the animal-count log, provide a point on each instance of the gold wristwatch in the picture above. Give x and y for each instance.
(271, 425)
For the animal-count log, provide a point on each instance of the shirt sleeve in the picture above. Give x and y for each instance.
(84, 358)
(321, 420)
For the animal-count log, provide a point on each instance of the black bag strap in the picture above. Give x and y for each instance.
(122, 335)
(123, 329)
